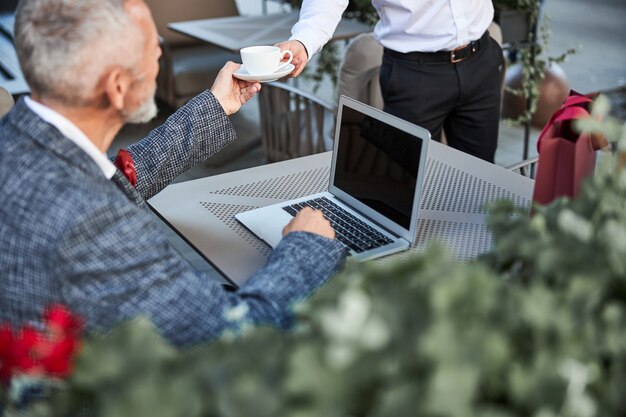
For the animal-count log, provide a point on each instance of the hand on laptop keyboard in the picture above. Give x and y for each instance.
(350, 231)
(309, 220)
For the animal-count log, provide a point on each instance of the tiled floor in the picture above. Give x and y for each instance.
(596, 28)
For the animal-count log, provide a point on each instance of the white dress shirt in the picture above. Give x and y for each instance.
(404, 25)
(73, 133)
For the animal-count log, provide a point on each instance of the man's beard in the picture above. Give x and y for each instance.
(144, 113)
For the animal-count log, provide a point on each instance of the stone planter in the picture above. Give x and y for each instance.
(553, 90)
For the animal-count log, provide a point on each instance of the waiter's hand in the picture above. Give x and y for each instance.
(231, 92)
(312, 221)
(300, 55)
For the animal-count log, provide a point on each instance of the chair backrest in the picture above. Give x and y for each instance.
(360, 69)
(168, 11)
(294, 123)
(496, 33)
(527, 167)
(6, 101)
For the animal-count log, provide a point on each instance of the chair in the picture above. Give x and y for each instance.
(293, 122)
(188, 66)
(360, 69)
(527, 167)
(495, 31)
(6, 101)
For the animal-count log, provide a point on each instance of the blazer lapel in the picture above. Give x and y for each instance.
(123, 184)
(49, 137)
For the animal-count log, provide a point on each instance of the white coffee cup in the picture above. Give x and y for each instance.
(262, 60)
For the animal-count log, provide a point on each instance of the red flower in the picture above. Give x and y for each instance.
(48, 353)
(57, 350)
(56, 357)
(23, 346)
(6, 352)
(124, 162)
(15, 351)
(59, 319)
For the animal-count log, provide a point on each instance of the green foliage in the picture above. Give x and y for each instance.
(327, 67)
(534, 65)
(361, 10)
(603, 123)
(530, 53)
(534, 328)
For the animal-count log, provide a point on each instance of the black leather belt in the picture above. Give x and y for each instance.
(453, 57)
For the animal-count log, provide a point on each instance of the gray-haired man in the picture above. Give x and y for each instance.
(74, 230)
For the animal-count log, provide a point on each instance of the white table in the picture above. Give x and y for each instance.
(237, 32)
(452, 211)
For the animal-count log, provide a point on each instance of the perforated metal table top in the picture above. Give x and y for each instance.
(456, 188)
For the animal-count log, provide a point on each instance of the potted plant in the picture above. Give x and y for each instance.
(530, 75)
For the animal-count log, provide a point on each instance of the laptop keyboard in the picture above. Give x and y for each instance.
(349, 230)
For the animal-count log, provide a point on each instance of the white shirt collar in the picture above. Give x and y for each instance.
(73, 133)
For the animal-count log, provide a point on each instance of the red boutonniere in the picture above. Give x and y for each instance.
(124, 162)
(50, 352)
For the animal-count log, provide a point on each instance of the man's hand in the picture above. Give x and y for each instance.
(231, 92)
(300, 55)
(309, 220)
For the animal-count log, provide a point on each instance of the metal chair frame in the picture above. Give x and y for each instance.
(293, 122)
(527, 167)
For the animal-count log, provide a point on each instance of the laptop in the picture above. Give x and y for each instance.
(375, 184)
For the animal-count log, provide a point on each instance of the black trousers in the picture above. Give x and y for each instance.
(462, 98)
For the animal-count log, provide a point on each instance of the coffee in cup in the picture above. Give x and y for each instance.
(263, 60)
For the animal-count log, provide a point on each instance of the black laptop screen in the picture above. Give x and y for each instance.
(377, 164)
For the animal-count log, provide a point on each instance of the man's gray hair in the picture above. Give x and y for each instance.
(65, 46)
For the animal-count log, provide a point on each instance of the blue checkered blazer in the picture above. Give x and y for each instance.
(69, 235)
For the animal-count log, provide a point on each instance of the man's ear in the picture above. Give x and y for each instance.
(117, 83)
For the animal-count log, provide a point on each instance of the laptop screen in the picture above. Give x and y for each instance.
(377, 164)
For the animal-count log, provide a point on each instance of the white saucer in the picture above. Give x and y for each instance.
(243, 74)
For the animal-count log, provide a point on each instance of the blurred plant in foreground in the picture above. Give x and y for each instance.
(33, 362)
